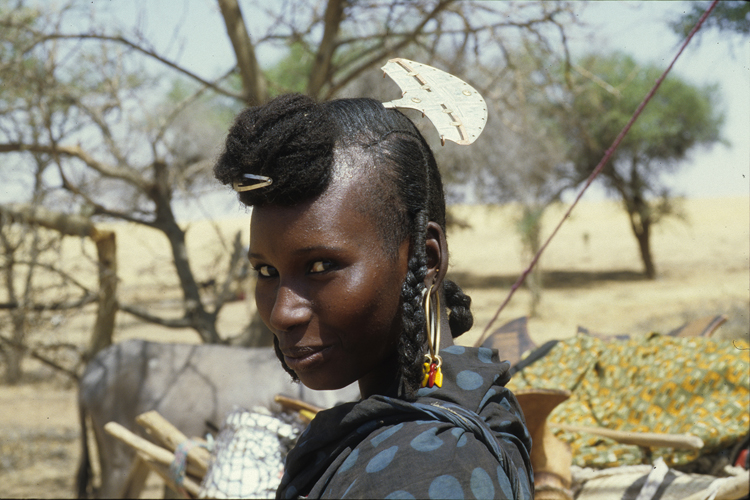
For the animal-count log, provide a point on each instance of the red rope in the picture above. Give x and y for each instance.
(598, 169)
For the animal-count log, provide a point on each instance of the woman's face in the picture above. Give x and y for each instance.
(327, 288)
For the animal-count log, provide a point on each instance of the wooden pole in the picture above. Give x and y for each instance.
(150, 450)
(295, 404)
(188, 484)
(646, 439)
(171, 437)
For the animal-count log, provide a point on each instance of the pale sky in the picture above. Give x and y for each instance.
(638, 28)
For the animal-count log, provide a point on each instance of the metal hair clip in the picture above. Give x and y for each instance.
(243, 186)
(456, 109)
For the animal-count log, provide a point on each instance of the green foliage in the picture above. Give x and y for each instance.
(179, 91)
(680, 117)
(728, 15)
(604, 94)
(292, 72)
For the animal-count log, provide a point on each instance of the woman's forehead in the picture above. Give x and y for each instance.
(336, 213)
(352, 161)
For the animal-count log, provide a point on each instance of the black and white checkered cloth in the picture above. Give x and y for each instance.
(247, 459)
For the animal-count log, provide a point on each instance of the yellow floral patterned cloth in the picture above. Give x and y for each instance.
(655, 383)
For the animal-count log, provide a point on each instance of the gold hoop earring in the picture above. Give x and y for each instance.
(432, 374)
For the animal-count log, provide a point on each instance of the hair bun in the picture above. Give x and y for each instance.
(290, 140)
(460, 318)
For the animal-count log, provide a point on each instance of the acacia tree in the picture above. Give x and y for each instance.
(98, 112)
(604, 93)
(727, 16)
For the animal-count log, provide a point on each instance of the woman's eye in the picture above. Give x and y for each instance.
(321, 266)
(266, 271)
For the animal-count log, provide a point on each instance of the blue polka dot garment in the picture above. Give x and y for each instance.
(383, 447)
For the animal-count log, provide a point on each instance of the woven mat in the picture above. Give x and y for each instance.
(627, 483)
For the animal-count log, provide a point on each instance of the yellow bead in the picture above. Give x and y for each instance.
(439, 378)
(426, 374)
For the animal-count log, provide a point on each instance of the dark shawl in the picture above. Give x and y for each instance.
(433, 448)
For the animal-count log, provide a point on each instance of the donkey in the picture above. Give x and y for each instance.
(192, 386)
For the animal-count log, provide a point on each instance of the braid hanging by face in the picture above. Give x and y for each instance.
(411, 346)
(294, 141)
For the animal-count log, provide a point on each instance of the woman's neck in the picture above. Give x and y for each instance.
(383, 380)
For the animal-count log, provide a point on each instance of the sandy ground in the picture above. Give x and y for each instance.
(593, 279)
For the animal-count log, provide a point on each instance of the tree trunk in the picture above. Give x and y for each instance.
(639, 211)
(253, 84)
(203, 322)
(640, 221)
(644, 244)
(530, 228)
(104, 327)
(324, 57)
(15, 351)
(535, 288)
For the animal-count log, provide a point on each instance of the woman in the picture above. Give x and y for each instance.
(348, 240)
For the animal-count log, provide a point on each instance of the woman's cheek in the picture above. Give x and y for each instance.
(264, 298)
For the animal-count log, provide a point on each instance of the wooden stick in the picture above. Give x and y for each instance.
(647, 439)
(296, 404)
(157, 453)
(307, 415)
(171, 437)
(188, 484)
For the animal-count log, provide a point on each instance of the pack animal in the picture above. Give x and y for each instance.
(192, 386)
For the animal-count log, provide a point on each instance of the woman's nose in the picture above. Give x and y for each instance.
(290, 309)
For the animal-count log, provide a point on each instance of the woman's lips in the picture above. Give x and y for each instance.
(303, 358)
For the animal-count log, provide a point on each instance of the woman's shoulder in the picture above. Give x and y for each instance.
(427, 458)
(468, 435)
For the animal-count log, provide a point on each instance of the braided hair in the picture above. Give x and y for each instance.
(294, 139)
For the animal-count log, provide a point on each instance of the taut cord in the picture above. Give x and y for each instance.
(598, 169)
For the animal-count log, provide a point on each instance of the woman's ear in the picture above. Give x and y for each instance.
(437, 255)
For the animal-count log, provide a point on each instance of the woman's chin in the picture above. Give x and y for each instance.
(323, 381)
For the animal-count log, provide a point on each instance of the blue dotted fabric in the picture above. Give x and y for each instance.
(387, 448)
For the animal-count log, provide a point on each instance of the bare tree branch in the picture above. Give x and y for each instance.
(54, 306)
(141, 313)
(148, 52)
(385, 51)
(34, 354)
(253, 83)
(167, 121)
(126, 174)
(67, 224)
(231, 276)
(70, 280)
(323, 59)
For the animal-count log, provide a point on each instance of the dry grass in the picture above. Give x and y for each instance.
(593, 279)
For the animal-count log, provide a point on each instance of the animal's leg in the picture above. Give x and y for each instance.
(83, 477)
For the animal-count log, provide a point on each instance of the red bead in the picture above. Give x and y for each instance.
(433, 372)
